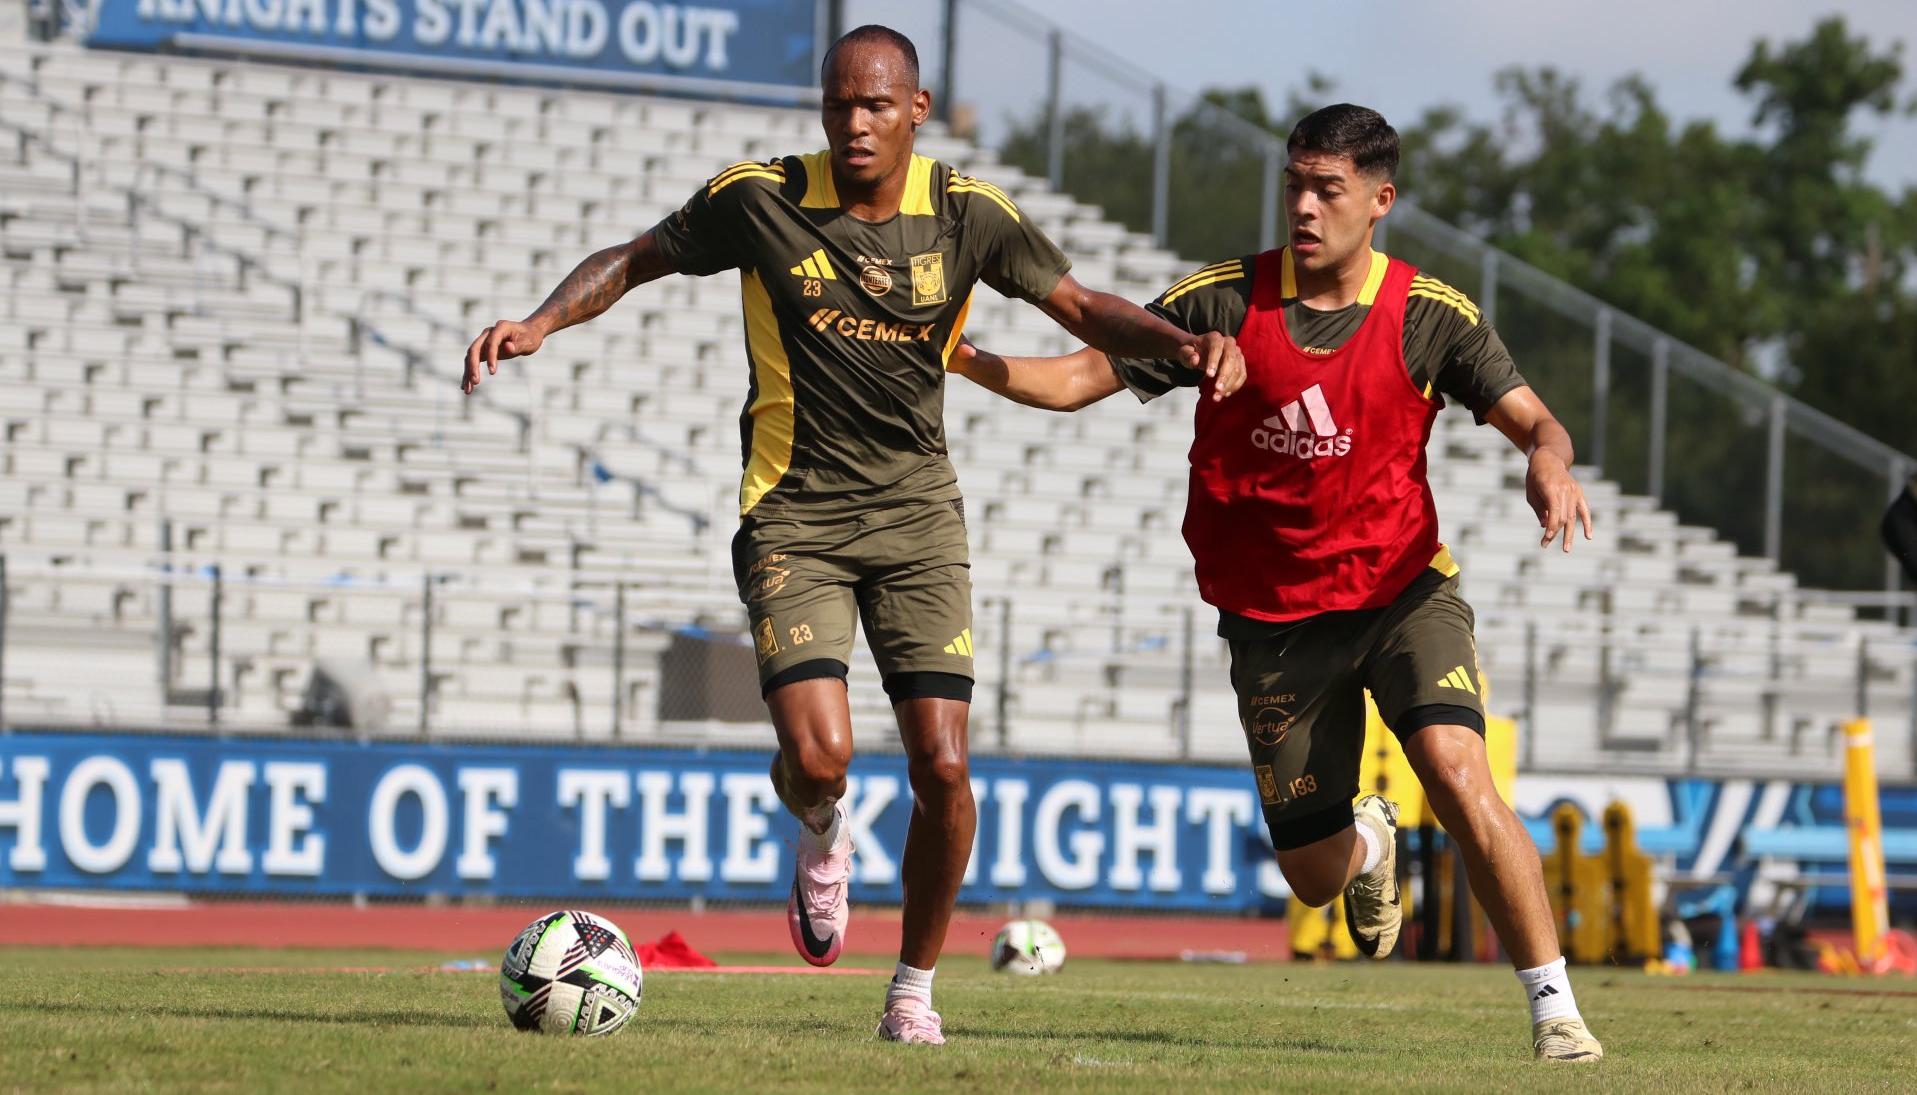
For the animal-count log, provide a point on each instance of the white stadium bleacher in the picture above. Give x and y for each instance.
(236, 298)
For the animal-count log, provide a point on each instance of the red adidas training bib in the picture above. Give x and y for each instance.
(1308, 486)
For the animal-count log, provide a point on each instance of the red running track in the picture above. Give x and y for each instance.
(483, 930)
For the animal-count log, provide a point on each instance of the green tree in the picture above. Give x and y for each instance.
(1617, 200)
(1742, 247)
(1839, 248)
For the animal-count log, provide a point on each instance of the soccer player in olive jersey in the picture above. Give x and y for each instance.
(857, 266)
(1312, 524)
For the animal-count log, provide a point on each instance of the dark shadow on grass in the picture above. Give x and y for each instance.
(1165, 1038)
(813, 1026)
(187, 1011)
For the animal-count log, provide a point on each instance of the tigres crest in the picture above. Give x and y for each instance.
(928, 279)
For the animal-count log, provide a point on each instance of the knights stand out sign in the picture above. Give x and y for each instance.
(748, 47)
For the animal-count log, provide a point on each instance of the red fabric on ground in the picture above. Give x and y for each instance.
(671, 952)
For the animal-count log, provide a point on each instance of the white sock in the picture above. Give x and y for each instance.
(907, 981)
(1548, 988)
(822, 840)
(1374, 850)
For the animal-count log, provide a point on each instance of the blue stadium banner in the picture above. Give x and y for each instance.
(310, 817)
(764, 43)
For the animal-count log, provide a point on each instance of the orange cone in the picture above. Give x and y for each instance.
(1750, 952)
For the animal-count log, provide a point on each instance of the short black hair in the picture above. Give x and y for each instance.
(1346, 130)
(875, 35)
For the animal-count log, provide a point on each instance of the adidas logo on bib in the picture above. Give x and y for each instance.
(1303, 428)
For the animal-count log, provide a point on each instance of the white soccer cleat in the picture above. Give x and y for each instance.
(1565, 1041)
(1373, 914)
(818, 911)
(912, 1021)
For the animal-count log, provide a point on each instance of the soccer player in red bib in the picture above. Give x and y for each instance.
(1312, 524)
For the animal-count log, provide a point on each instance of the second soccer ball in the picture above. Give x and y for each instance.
(1028, 947)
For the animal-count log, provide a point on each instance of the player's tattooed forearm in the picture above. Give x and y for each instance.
(593, 286)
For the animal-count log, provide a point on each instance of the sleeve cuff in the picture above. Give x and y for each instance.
(1487, 400)
(1050, 283)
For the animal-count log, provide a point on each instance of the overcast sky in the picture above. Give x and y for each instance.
(1401, 57)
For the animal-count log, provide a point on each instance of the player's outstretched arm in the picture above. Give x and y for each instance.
(1048, 383)
(593, 286)
(1121, 328)
(1064, 383)
(1549, 486)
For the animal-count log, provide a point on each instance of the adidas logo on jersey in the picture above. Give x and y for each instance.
(1303, 428)
(816, 265)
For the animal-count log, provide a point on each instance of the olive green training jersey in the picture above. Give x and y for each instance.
(1449, 347)
(850, 324)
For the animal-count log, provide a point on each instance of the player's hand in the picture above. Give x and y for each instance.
(503, 341)
(970, 353)
(1556, 498)
(1219, 358)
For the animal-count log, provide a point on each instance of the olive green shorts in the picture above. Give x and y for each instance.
(903, 571)
(1301, 696)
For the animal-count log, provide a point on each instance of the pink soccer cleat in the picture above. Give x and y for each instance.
(912, 1021)
(818, 909)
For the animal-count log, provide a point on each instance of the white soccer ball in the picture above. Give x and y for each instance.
(570, 973)
(1028, 947)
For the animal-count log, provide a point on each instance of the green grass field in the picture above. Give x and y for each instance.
(232, 1020)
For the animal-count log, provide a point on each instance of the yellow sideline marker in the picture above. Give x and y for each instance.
(1869, 897)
